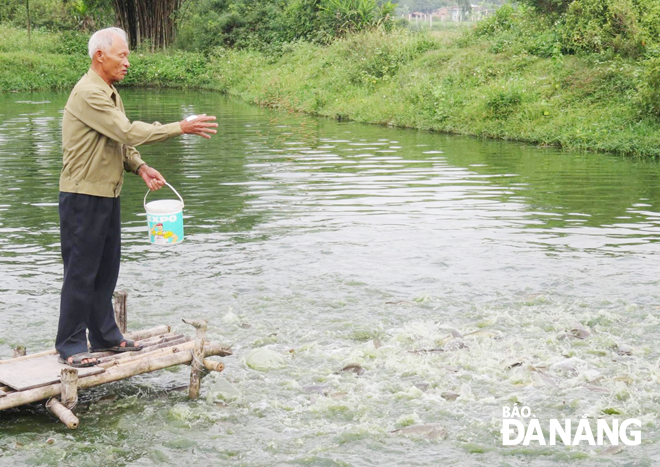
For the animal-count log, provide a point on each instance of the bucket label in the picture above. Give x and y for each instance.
(165, 229)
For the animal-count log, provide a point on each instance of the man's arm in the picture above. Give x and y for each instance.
(132, 159)
(97, 111)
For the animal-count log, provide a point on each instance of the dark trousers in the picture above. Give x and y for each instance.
(91, 250)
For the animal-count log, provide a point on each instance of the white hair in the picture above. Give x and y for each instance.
(102, 40)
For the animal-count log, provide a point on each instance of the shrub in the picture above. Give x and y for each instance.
(344, 17)
(649, 92)
(267, 24)
(602, 25)
(377, 55)
(549, 7)
(72, 43)
(502, 101)
(503, 20)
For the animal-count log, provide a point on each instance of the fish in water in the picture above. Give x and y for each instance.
(570, 365)
(431, 431)
(623, 349)
(513, 364)
(317, 389)
(426, 351)
(611, 451)
(353, 368)
(593, 388)
(454, 344)
(578, 331)
(545, 380)
(483, 334)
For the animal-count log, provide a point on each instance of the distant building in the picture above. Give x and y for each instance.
(453, 13)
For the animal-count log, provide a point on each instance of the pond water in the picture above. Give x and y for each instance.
(455, 272)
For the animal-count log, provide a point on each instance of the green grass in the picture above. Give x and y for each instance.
(432, 82)
(442, 81)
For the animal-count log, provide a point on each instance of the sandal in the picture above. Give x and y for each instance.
(77, 360)
(129, 347)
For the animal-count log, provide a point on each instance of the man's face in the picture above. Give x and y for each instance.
(115, 60)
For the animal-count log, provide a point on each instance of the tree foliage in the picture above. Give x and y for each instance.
(349, 16)
(82, 15)
(267, 24)
(629, 28)
(549, 7)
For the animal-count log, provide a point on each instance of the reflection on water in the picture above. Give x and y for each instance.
(334, 243)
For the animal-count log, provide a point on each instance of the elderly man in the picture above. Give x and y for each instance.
(98, 145)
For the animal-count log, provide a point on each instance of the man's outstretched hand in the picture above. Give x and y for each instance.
(199, 125)
(151, 177)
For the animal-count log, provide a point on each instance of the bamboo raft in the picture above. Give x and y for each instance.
(26, 379)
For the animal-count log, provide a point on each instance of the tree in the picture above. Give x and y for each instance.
(151, 22)
(549, 7)
(465, 7)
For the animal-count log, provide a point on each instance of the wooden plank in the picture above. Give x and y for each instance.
(36, 372)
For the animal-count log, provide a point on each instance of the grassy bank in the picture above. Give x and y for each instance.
(444, 84)
(448, 81)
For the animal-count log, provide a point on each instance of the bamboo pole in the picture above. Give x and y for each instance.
(211, 348)
(164, 341)
(186, 347)
(144, 365)
(126, 356)
(152, 343)
(197, 366)
(177, 341)
(161, 338)
(131, 357)
(69, 381)
(212, 365)
(137, 335)
(158, 330)
(65, 415)
(120, 309)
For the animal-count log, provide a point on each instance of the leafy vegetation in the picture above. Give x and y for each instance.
(269, 25)
(581, 74)
(57, 15)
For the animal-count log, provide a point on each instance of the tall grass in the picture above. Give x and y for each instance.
(57, 60)
(461, 86)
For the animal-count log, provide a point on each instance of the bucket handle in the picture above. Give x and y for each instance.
(171, 188)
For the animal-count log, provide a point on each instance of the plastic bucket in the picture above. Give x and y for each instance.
(165, 219)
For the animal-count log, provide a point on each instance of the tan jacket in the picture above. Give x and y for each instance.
(98, 140)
